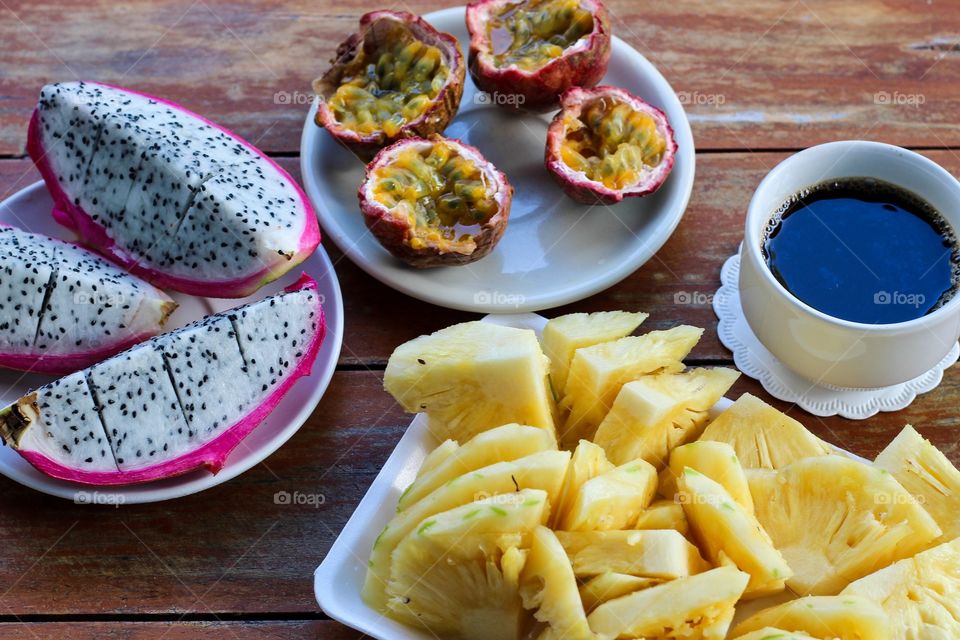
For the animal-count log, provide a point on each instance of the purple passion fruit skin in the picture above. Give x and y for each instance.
(396, 78)
(606, 145)
(435, 202)
(534, 50)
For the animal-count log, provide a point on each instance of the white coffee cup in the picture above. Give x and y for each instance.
(819, 347)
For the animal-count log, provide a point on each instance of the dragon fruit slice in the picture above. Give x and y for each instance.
(166, 193)
(63, 308)
(175, 403)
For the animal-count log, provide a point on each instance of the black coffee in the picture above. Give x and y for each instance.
(863, 250)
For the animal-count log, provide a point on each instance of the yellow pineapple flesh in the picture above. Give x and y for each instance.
(771, 633)
(610, 586)
(440, 453)
(652, 553)
(612, 500)
(547, 584)
(663, 514)
(716, 460)
(588, 461)
(833, 617)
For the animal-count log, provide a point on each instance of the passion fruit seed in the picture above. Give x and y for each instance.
(531, 34)
(611, 143)
(444, 195)
(386, 88)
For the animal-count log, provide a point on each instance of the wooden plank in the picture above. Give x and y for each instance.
(238, 630)
(754, 74)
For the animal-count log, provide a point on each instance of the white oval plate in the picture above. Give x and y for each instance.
(30, 209)
(554, 251)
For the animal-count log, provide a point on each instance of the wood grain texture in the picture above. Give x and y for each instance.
(239, 630)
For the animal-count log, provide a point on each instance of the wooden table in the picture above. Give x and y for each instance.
(761, 79)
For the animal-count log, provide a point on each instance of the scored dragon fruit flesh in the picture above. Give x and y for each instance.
(166, 193)
(175, 403)
(63, 308)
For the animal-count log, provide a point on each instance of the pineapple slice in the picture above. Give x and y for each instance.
(544, 470)
(834, 617)
(472, 377)
(663, 514)
(919, 593)
(836, 520)
(502, 444)
(698, 607)
(588, 461)
(565, 334)
(728, 533)
(717, 461)
(597, 373)
(763, 437)
(656, 413)
(770, 633)
(457, 574)
(926, 473)
(612, 500)
(438, 455)
(653, 553)
(610, 586)
(548, 585)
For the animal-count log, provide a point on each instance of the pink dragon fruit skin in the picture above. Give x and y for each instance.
(91, 462)
(69, 210)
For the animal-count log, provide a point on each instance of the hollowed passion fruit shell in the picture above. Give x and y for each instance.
(396, 78)
(606, 145)
(435, 202)
(530, 52)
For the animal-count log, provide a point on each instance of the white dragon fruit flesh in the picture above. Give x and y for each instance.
(175, 403)
(166, 193)
(63, 308)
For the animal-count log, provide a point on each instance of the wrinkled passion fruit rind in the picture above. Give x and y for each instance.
(435, 202)
(606, 145)
(396, 78)
(537, 49)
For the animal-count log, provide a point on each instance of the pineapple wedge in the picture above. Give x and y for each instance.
(565, 334)
(548, 585)
(926, 473)
(835, 520)
(728, 534)
(544, 470)
(612, 500)
(653, 553)
(698, 607)
(472, 377)
(834, 617)
(588, 461)
(437, 456)
(610, 586)
(770, 633)
(763, 437)
(502, 444)
(919, 593)
(654, 414)
(663, 514)
(717, 461)
(597, 373)
(458, 573)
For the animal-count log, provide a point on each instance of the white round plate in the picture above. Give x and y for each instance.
(29, 209)
(554, 251)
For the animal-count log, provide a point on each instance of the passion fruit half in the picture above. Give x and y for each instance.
(531, 51)
(396, 78)
(435, 202)
(606, 145)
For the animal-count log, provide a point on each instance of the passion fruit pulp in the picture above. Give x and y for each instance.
(536, 49)
(606, 144)
(435, 202)
(397, 77)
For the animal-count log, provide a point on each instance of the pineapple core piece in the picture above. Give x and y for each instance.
(612, 500)
(588, 461)
(548, 585)
(654, 553)
(717, 461)
(835, 617)
(610, 586)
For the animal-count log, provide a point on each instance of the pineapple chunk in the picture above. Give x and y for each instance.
(654, 414)
(543, 470)
(597, 373)
(612, 500)
(728, 534)
(502, 444)
(835, 520)
(472, 377)
(763, 437)
(652, 553)
(458, 573)
(588, 461)
(438, 455)
(919, 593)
(717, 461)
(548, 585)
(926, 473)
(610, 586)
(698, 607)
(834, 617)
(770, 633)
(565, 334)
(663, 514)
